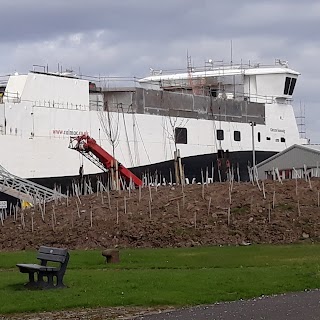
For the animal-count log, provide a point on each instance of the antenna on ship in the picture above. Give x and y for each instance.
(190, 70)
(231, 52)
(301, 121)
(233, 77)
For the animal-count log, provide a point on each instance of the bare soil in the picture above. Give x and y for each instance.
(172, 216)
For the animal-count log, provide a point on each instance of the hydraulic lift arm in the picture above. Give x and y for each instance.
(91, 150)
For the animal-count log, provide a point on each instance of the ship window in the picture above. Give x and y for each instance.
(220, 154)
(268, 138)
(259, 136)
(286, 85)
(180, 135)
(292, 85)
(220, 134)
(236, 136)
(283, 139)
(277, 140)
(213, 93)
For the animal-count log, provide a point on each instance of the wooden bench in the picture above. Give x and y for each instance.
(112, 255)
(58, 257)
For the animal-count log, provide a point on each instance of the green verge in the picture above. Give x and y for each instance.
(153, 277)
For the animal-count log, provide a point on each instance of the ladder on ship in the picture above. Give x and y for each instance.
(101, 158)
(26, 190)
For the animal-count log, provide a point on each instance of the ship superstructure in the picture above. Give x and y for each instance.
(204, 114)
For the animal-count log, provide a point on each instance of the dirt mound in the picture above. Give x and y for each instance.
(172, 217)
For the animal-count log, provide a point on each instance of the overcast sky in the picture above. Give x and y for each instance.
(127, 37)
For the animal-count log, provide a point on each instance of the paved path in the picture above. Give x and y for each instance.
(293, 306)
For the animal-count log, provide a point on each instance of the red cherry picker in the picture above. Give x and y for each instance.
(89, 148)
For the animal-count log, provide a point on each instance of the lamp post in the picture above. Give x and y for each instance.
(253, 124)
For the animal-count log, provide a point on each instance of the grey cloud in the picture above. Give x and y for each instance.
(151, 20)
(129, 36)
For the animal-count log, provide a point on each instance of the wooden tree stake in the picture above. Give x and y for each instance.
(263, 190)
(72, 222)
(78, 210)
(52, 222)
(209, 205)
(67, 200)
(91, 214)
(54, 214)
(32, 222)
(273, 199)
(150, 210)
(117, 212)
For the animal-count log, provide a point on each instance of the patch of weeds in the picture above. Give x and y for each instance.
(239, 210)
(285, 207)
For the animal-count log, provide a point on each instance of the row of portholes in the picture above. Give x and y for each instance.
(237, 136)
(3, 130)
(15, 131)
(11, 131)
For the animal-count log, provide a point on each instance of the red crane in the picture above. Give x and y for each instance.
(91, 150)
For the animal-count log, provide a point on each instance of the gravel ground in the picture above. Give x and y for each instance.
(89, 314)
(293, 306)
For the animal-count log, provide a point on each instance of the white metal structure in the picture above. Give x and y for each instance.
(26, 190)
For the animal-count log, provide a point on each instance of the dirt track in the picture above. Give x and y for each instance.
(173, 218)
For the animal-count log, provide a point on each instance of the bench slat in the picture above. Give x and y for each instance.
(51, 257)
(36, 267)
(51, 250)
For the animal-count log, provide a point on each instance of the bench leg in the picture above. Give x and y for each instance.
(41, 283)
(50, 280)
(60, 281)
(31, 283)
(31, 277)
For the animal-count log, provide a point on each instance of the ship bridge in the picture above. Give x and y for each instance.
(258, 83)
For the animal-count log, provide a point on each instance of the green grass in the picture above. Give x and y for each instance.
(149, 277)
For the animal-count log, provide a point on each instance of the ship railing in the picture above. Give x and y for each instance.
(12, 97)
(105, 82)
(211, 65)
(60, 105)
(267, 99)
(45, 104)
(4, 79)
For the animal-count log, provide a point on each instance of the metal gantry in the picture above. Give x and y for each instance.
(26, 190)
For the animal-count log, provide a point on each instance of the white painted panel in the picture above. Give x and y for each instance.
(15, 86)
(44, 88)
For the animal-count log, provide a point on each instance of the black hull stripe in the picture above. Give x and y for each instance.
(192, 166)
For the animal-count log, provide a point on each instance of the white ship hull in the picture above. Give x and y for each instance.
(40, 112)
(46, 153)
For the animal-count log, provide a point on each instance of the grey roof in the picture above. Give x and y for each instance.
(314, 148)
